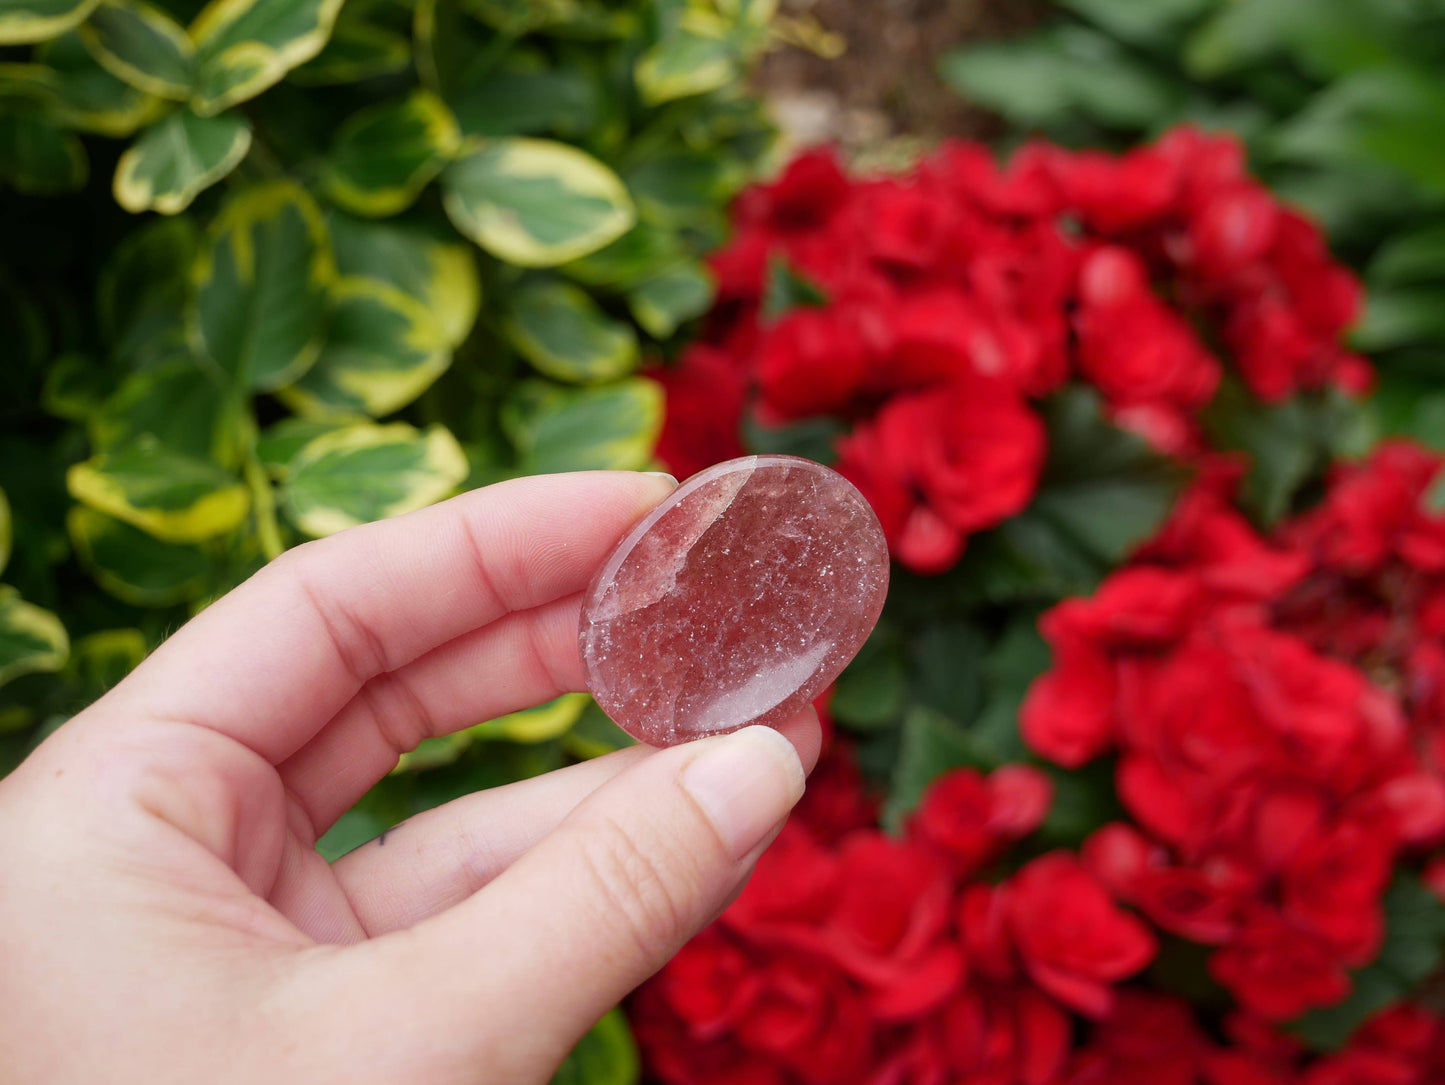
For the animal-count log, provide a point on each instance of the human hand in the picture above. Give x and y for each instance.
(164, 915)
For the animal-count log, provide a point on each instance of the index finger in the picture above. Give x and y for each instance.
(275, 659)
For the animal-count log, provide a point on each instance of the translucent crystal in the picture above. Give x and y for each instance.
(735, 601)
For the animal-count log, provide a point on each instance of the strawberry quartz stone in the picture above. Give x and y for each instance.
(735, 601)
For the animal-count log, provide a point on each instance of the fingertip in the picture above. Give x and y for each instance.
(657, 486)
(805, 732)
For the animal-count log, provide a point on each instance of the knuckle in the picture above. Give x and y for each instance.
(646, 886)
(397, 711)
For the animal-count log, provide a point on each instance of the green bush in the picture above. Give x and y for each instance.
(403, 247)
(1341, 104)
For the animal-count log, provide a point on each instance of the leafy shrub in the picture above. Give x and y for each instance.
(1340, 103)
(402, 247)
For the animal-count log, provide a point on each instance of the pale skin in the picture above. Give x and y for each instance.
(164, 916)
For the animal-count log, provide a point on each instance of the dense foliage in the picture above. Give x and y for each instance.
(1190, 833)
(1341, 106)
(404, 247)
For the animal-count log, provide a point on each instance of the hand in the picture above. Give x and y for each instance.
(164, 915)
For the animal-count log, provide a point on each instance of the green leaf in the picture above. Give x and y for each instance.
(1433, 500)
(133, 566)
(932, 744)
(1060, 73)
(31, 640)
(536, 203)
(357, 50)
(1410, 257)
(530, 725)
(873, 688)
(630, 260)
(100, 660)
(1156, 23)
(695, 58)
(787, 290)
(245, 46)
(1412, 951)
(946, 659)
(1412, 409)
(1385, 116)
(174, 161)
(1326, 38)
(515, 17)
(368, 472)
(513, 102)
(679, 187)
(75, 387)
(429, 265)
(1084, 800)
(811, 438)
(173, 497)
(1103, 493)
(594, 734)
(5, 531)
(351, 830)
(142, 292)
(261, 287)
(1011, 666)
(667, 300)
(38, 157)
(606, 1055)
(610, 426)
(143, 46)
(278, 446)
(386, 154)
(77, 92)
(36, 20)
(1288, 444)
(449, 46)
(179, 404)
(383, 348)
(563, 332)
(1397, 317)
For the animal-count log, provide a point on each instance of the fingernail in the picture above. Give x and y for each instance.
(662, 474)
(746, 783)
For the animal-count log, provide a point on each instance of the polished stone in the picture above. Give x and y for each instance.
(735, 601)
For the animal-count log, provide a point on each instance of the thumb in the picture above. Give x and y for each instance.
(638, 868)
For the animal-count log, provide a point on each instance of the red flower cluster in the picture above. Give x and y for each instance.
(1259, 696)
(857, 957)
(959, 293)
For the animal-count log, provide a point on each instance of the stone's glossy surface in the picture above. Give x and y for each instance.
(735, 601)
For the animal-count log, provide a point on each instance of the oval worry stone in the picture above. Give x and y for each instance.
(735, 601)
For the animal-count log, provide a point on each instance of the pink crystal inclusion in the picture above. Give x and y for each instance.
(735, 601)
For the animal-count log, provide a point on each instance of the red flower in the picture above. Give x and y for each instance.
(802, 200)
(938, 466)
(1115, 196)
(807, 1021)
(837, 801)
(1333, 888)
(909, 224)
(971, 818)
(1069, 713)
(1149, 1040)
(1133, 346)
(810, 363)
(1072, 939)
(1005, 1035)
(1276, 972)
(1233, 229)
(888, 926)
(705, 396)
